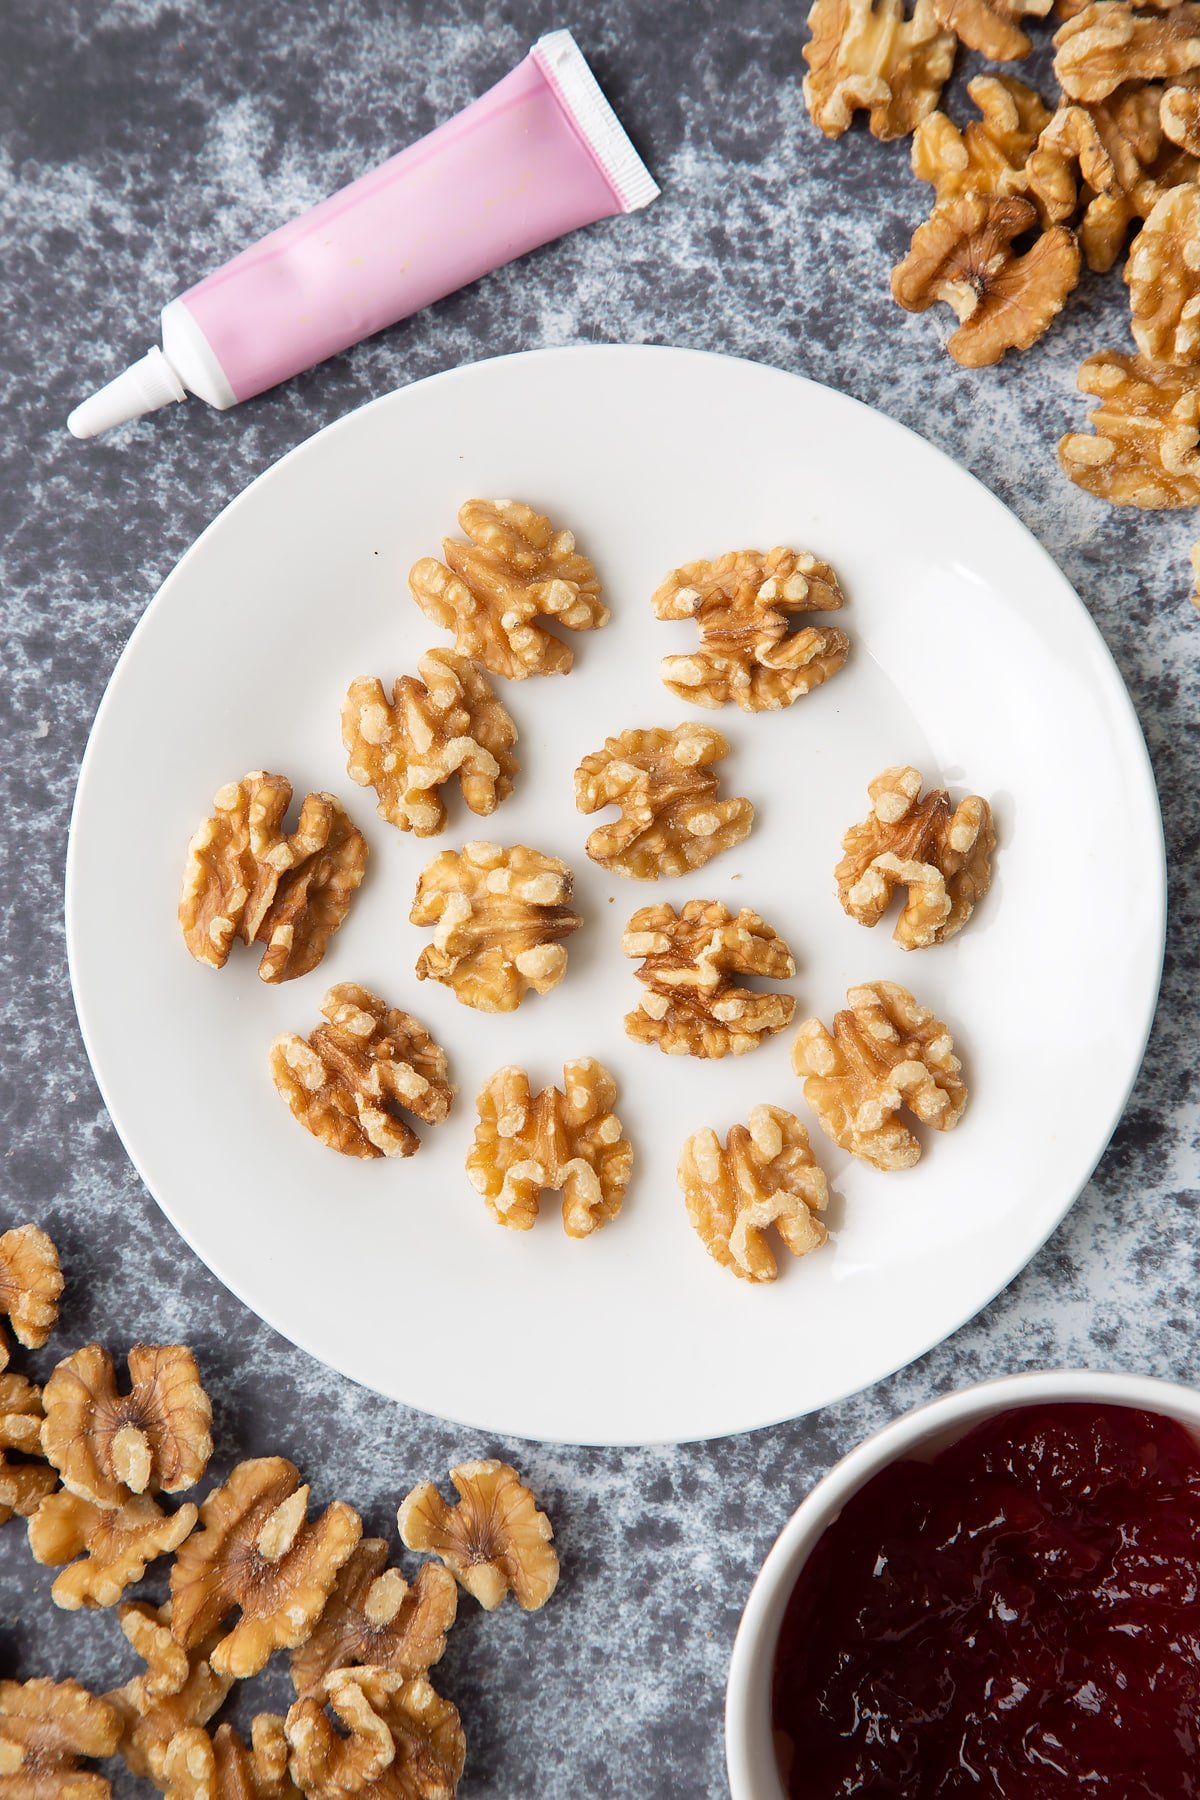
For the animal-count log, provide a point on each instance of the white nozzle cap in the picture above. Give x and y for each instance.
(143, 388)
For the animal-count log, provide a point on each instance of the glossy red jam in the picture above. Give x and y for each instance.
(1019, 1616)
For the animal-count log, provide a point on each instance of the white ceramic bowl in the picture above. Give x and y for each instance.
(749, 1748)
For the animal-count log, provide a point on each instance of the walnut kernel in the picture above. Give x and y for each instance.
(400, 1740)
(499, 916)
(23, 1484)
(178, 1689)
(940, 854)
(1004, 300)
(495, 1541)
(447, 723)
(886, 1052)
(109, 1446)
(868, 54)
(990, 154)
(221, 1767)
(45, 1727)
(114, 1546)
(348, 1080)
(374, 1617)
(1163, 277)
(693, 1004)
(246, 878)
(765, 1175)
(31, 1284)
(257, 1552)
(1101, 161)
(1145, 450)
(667, 789)
(742, 603)
(1108, 44)
(566, 1139)
(515, 569)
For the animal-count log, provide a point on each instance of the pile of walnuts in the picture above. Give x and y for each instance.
(1024, 195)
(87, 1462)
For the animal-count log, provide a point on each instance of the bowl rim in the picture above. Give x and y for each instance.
(749, 1746)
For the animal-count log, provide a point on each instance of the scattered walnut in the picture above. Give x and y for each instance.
(990, 155)
(867, 54)
(499, 916)
(178, 1689)
(246, 878)
(375, 1617)
(109, 1446)
(45, 1727)
(114, 1545)
(516, 568)
(1163, 277)
(765, 1175)
(448, 723)
(566, 1139)
(1144, 451)
(22, 1484)
(495, 1541)
(348, 1080)
(694, 1005)
(941, 854)
(742, 602)
(257, 1552)
(31, 1283)
(1103, 159)
(964, 255)
(220, 1767)
(1179, 116)
(664, 783)
(990, 26)
(1108, 44)
(399, 1740)
(885, 1052)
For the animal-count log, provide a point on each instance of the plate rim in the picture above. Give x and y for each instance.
(1139, 760)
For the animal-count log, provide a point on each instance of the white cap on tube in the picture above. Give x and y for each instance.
(142, 388)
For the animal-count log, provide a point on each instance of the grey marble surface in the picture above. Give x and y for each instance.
(144, 141)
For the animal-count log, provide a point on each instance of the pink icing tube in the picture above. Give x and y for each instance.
(538, 155)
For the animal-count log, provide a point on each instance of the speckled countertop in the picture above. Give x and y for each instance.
(142, 143)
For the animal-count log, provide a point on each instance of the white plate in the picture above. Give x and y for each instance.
(971, 658)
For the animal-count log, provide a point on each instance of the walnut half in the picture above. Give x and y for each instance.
(742, 603)
(499, 917)
(666, 786)
(989, 156)
(24, 1483)
(108, 1549)
(515, 569)
(448, 723)
(259, 1554)
(566, 1139)
(694, 1004)
(764, 1175)
(870, 54)
(31, 1284)
(349, 1080)
(177, 1690)
(245, 877)
(940, 854)
(495, 1541)
(375, 1618)
(1163, 278)
(1145, 449)
(109, 1446)
(398, 1739)
(1004, 299)
(885, 1053)
(45, 1728)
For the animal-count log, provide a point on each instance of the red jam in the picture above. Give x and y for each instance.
(1019, 1616)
